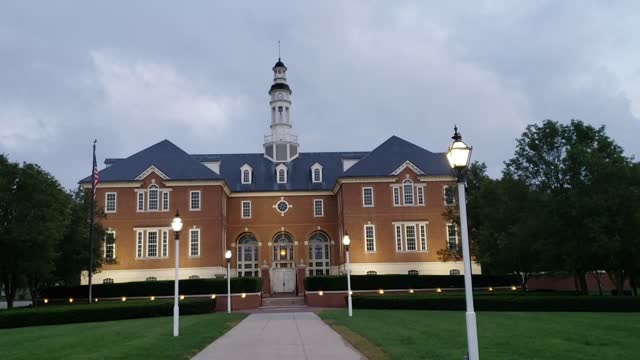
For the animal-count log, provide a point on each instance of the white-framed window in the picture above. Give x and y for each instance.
(318, 208)
(139, 244)
(164, 248)
(407, 192)
(316, 173)
(452, 237)
(370, 238)
(247, 258)
(454, 272)
(109, 249)
(372, 272)
(110, 202)
(107, 281)
(449, 195)
(413, 272)
(194, 277)
(246, 174)
(194, 200)
(165, 201)
(152, 198)
(410, 237)
(319, 254)
(396, 196)
(420, 194)
(194, 242)
(151, 278)
(281, 172)
(398, 234)
(367, 197)
(152, 244)
(246, 209)
(140, 201)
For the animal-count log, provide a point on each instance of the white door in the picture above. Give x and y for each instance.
(283, 280)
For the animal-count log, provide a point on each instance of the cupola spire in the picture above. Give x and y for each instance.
(281, 145)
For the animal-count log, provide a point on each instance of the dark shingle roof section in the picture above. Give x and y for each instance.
(264, 170)
(165, 156)
(394, 152)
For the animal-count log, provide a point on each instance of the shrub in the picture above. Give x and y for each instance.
(374, 282)
(155, 288)
(500, 303)
(104, 311)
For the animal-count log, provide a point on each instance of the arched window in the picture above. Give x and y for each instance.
(247, 256)
(372, 272)
(283, 250)
(153, 198)
(282, 176)
(246, 177)
(407, 190)
(107, 281)
(413, 272)
(319, 254)
(194, 277)
(317, 176)
(152, 278)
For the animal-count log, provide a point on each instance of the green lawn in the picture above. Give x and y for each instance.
(406, 334)
(126, 339)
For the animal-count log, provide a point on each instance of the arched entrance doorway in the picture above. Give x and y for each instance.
(283, 276)
(248, 256)
(319, 262)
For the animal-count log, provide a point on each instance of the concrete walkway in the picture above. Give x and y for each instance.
(280, 336)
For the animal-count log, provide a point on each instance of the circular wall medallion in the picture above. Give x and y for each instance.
(282, 206)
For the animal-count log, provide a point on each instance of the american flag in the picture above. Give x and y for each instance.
(95, 171)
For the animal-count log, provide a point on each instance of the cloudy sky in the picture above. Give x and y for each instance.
(133, 73)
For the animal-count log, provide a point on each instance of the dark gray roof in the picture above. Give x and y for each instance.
(264, 170)
(394, 152)
(280, 86)
(165, 156)
(178, 165)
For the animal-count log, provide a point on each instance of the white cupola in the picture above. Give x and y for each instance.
(281, 145)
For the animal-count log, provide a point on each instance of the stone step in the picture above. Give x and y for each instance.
(283, 301)
(284, 309)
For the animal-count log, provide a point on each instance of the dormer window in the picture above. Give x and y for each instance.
(316, 173)
(246, 174)
(281, 172)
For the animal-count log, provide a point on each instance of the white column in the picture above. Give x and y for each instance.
(472, 332)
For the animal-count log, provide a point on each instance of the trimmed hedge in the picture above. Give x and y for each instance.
(374, 282)
(104, 311)
(155, 288)
(501, 303)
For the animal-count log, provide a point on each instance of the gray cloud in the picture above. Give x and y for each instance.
(197, 73)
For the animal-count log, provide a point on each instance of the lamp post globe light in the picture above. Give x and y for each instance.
(176, 226)
(346, 240)
(458, 156)
(227, 255)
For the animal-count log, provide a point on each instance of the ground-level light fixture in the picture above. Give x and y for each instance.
(381, 292)
(320, 292)
(70, 300)
(46, 301)
(124, 298)
(490, 288)
(213, 296)
(410, 291)
(513, 288)
(181, 297)
(438, 290)
(153, 298)
(244, 295)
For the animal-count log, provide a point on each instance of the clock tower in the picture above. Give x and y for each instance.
(281, 145)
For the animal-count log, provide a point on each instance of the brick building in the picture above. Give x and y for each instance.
(278, 210)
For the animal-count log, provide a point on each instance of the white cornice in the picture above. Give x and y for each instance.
(377, 179)
(119, 184)
(152, 169)
(281, 193)
(436, 178)
(408, 164)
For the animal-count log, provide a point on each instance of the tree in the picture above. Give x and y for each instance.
(35, 213)
(568, 165)
(73, 257)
